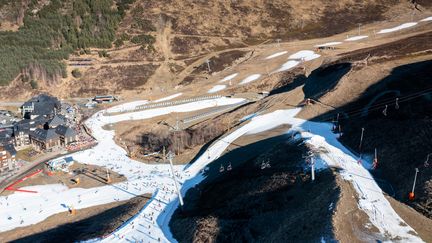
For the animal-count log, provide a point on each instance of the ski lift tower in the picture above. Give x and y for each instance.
(208, 65)
(170, 158)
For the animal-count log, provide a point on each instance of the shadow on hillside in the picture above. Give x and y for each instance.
(402, 136)
(92, 227)
(319, 82)
(248, 203)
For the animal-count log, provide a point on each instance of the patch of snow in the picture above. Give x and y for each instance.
(250, 78)
(397, 28)
(426, 19)
(305, 55)
(276, 55)
(127, 106)
(228, 78)
(287, 66)
(356, 38)
(169, 97)
(329, 44)
(217, 88)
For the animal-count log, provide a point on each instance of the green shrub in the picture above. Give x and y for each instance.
(103, 53)
(143, 39)
(34, 84)
(76, 73)
(118, 42)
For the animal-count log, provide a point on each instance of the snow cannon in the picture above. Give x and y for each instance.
(411, 196)
(72, 210)
(76, 180)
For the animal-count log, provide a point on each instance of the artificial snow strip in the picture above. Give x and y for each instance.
(228, 78)
(216, 88)
(305, 55)
(397, 28)
(329, 44)
(277, 54)
(250, 78)
(426, 19)
(169, 97)
(356, 38)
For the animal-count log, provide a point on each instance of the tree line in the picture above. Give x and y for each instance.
(51, 34)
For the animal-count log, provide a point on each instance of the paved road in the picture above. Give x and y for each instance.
(27, 168)
(17, 104)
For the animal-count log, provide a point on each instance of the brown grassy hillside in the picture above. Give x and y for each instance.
(171, 37)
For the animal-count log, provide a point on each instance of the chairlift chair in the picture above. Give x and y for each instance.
(229, 167)
(221, 169)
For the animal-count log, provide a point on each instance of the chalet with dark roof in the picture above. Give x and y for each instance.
(57, 120)
(67, 134)
(44, 139)
(21, 130)
(41, 105)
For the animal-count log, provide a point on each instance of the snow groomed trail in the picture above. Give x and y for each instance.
(22, 209)
(153, 221)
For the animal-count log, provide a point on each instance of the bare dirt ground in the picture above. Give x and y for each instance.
(421, 224)
(87, 223)
(349, 222)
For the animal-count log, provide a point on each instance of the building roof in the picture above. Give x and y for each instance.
(44, 135)
(56, 121)
(11, 149)
(26, 124)
(5, 135)
(43, 104)
(65, 131)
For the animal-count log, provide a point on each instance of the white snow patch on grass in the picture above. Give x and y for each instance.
(356, 38)
(329, 44)
(305, 55)
(250, 78)
(426, 19)
(276, 55)
(228, 78)
(168, 97)
(127, 106)
(287, 66)
(397, 28)
(217, 88)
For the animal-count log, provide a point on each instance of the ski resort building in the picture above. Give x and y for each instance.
(43, 139)
(7, 158)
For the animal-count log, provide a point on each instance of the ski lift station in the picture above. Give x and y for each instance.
(61, 164)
